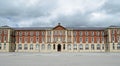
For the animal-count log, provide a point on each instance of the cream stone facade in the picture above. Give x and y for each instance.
(60, 39)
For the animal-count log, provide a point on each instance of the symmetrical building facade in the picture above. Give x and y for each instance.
(60, 39)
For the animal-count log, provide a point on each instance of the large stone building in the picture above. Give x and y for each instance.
(60, 39)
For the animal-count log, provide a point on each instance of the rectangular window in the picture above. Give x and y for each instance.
(26, 33)
(37, 33)
(93, 39)
(86, 33)
(80, 33)
(74, 33)
(5, 31)
(69, 33)
(0, 31)
(20, 33)
(92, 33)
(113, 31)
(43, 33)
(80, 39)
(31, 33)
(102, 33)
(86, 40)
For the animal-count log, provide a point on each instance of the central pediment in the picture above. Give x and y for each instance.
(59, 27)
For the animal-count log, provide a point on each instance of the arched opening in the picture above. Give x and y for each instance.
(59, 47)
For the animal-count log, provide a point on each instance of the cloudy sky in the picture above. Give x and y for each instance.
(25, 13)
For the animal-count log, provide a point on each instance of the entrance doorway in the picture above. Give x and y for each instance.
(59, 48)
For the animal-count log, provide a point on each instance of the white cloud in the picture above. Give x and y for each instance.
(48, 12)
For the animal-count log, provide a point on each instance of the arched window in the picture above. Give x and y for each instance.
(0, 46)
(19, 46)
(118, 46)
(64, 46)
(87, 46)
(43, 46)
(31, 46)
(81, 47)
(75, 46)
(102, 46)
(92, 46)
(25, 46)
(37, 46)
(113, 46)
(54, 46)
(98, 46)
(49, 47)
(69, 46)
(4, 45)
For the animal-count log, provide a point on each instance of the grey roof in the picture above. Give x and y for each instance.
(69, 28)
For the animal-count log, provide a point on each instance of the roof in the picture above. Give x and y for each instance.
(68, 28)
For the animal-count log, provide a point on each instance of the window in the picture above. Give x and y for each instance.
(69, 39)
(69, 33)
(98, 33)
(118, 46)
(92, 46)
(49, 39)
(43, 39)
(54, 46)
(113, 39)
(20, 40)
(74, 39)
(103, 46)
(31, 39)
(0, 31)
(20, 33)
(113, 46)
(102, 33)
(86, 40)
(86, 33)
(80, 33)
(63, 46)
(87, 46)
(81, 47)
(5, 31)
(19, 46)
(43, 33)
(0, 46)
(98, 40)
(5, 38)
(92, 33)
(80, 39)
(25, 39)
(74, 33)
(31, 33)
(69, 46)
(0, 38)
(93, 39)
(102, 39)
(37, 39)
(37, 46)
(113, 31)
(26, 33)
(75, 46)
(43, 47)
(37, 33)
(60, 32)
(4, 45)
(25, 46)
(98, 46)
(118, 39)
(49, 47)
(31, 46)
